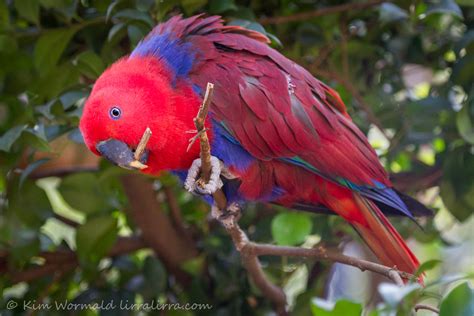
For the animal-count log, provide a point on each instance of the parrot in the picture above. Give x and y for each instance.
(278, 135)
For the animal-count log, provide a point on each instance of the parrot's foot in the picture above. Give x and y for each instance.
(215, 183)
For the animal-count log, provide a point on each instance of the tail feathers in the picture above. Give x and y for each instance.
(382, 238)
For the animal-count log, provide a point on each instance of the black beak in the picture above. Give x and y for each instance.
(121, 155)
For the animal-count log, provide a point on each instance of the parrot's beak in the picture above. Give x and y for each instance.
(121, 155)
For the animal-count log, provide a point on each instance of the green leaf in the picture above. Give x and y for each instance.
(291, 228)
(466, 42)
(50, 47)
(111, 9)
(24, 245)
(155, 276)
(57, 80)
(426, 266)
(296, 284)
(459, 301)
(89, 64)
(4, 15)
(145, 5)
(463, 72)
(466, 3)
(30, 204)
(195, 265)
(320, 307)
(116, 30)
(393, 295)
(135, 34)
(464, 122)
(33, 139)
(71, 98)
(28, 9)
(444, 6)
(84, 193)
(191, 6)
(390, 12)
(7, 139)
(31, 167)
(95, 238)
(47, 109)
(220, 6)
(135, 15)
(56, 4)
(456, 191)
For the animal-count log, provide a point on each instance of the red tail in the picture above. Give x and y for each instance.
(383, 239)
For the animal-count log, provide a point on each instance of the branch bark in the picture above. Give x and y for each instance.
(156, 228)
(320, 12)
(61, 262)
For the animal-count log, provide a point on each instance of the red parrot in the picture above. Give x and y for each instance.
(278, 135)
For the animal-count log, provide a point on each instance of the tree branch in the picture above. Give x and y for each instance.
(61, 262)
(320, 12)
(175, 214)
(156, 228)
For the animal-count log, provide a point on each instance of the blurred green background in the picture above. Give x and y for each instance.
(76, 229)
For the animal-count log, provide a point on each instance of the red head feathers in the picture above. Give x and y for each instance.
(136, 93)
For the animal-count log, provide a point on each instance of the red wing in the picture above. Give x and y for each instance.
(278, 110)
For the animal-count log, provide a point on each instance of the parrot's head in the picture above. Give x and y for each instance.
(132, 95)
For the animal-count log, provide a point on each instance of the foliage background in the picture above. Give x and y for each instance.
(78, 229)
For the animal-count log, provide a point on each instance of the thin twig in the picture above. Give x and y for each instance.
(140, 150)
(175, 214)
(142, 144)
(426, 307)
(326, 254)
(320, 12)
(199, 122)
(66, 220)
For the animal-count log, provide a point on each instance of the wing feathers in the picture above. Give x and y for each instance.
(276, 109)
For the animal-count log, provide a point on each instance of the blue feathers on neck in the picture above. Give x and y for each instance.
(168, 48)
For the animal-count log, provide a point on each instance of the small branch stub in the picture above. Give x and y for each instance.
(142, 144)
(141, 150)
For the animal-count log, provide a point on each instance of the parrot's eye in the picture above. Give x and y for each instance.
(115, 113)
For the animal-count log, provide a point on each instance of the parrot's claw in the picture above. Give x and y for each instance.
(215, 182)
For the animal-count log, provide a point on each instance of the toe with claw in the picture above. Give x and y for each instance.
(215, 183)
